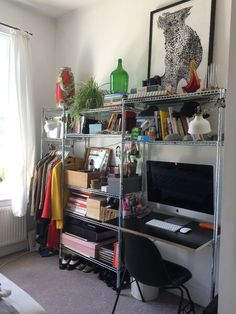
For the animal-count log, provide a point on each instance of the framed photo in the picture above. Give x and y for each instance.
(179, 33)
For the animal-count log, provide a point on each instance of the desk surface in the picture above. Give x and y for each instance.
(195, 240)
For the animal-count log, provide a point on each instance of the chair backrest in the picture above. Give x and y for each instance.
(144, 262)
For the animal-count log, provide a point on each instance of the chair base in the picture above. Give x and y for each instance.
(186, 309)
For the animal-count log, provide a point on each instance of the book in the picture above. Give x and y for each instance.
(185, 124)
(175, 125)
(180, 127)
(163, 116)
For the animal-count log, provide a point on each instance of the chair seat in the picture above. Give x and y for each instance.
(178, 274)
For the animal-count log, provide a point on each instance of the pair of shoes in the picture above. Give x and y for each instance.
(74, 261)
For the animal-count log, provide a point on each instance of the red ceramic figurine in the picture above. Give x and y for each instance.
(65, 87)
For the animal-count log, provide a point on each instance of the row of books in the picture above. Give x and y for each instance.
(167, 123)
(114, 123)
(77, 202)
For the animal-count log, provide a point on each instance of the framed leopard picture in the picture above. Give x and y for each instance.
(181, 34)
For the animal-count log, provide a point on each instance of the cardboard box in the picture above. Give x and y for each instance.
(80, 178)
(94, 205)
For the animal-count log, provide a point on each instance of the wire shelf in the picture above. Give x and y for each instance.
(90, 220)
(94, 260)
(96, 192)
(177, 98)
(96, 135)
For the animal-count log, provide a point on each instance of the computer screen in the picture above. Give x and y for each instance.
(182, 188)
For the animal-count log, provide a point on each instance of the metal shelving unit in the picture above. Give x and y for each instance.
(218, 97)
(205, 97)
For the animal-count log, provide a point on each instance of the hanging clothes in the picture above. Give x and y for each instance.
(47, 196)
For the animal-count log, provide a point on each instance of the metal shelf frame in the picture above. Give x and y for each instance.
(206, 97)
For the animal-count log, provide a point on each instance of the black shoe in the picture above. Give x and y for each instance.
(64, 262)
(88, 268)
(80, 266)
(102, 275)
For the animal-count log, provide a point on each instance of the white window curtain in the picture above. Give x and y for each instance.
(20, 122)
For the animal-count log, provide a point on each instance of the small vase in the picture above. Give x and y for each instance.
(119, 79)
(65, 87)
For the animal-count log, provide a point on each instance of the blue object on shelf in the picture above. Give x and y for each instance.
(95, 128)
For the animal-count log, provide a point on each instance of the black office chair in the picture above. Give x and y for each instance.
(143, 261)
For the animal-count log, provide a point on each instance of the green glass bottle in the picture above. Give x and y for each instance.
(119, 79)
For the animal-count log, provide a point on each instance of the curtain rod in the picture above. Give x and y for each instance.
(13, 27)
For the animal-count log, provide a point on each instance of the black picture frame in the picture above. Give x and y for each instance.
(204, 22)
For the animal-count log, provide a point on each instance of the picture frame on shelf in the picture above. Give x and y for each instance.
(98, 156)
(179, 33)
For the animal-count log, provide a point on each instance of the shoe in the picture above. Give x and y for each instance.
(88, 269)
(102, 275)
(64, 262)
(4, 293)
(96, 269)
(75, 261)
(80, 266)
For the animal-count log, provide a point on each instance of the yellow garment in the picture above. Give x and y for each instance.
(56, 189)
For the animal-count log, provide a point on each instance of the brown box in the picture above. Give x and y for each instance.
(80, 178)
(94, 206)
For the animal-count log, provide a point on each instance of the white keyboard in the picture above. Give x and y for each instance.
(163, 225)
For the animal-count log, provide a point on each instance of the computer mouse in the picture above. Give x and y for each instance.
(185, 230)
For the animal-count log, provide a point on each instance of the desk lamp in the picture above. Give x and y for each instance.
(199, 125)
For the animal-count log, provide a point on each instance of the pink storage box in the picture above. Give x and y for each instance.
(87, 248)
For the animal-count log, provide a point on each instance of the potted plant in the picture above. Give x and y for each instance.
(88, 96)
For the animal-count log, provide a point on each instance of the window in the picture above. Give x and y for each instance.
(4, 84)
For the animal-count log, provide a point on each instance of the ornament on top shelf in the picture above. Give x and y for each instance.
(65, 87)
(194, 81)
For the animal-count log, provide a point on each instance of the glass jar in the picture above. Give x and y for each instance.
(119, 79)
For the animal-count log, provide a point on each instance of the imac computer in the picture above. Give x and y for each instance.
(181, 189)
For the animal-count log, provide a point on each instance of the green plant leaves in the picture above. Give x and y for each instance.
(88, 96)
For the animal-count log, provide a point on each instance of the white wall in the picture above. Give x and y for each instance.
(227, 300)
(43, 52)
(90, 40)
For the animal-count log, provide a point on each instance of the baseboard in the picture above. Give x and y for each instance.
(13, 248)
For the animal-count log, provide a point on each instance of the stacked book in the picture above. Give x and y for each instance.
(113, 99)
(77, 202)
(106, 253)
(147, 91)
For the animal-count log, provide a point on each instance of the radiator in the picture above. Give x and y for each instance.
(12, 229)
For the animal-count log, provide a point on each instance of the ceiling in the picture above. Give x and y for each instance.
(54, 8)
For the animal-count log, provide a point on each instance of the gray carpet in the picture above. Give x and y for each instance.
(75, 292)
